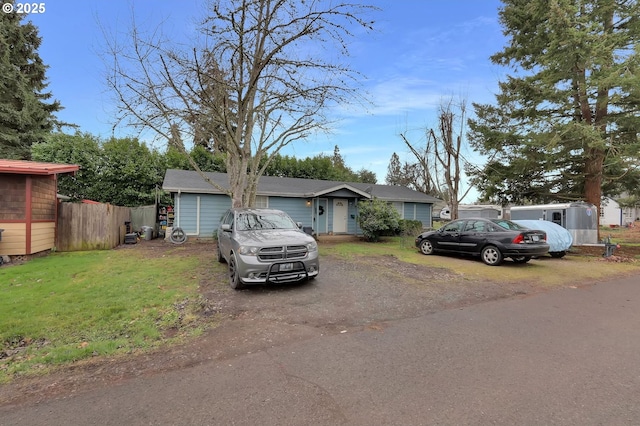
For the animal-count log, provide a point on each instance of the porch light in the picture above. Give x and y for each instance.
(308, 203)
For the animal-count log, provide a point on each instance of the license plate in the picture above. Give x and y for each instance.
(286, 267)
(535, 238)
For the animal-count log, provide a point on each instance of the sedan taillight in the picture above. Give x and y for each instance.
(519, 239)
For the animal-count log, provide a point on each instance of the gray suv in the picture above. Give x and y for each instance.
(265, 246)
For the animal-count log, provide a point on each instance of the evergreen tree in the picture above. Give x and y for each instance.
(394, 171)
(565, 125)
(82, 149)
(132, 173)
(26, 109)
(320, 167)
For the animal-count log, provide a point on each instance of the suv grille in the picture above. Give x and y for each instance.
(282, 253)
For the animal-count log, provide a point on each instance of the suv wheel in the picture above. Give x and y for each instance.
(234, 277)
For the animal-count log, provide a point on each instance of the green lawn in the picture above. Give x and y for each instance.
(621, 235)
(573, 269)
(69, 306)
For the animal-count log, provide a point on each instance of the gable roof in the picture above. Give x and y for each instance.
(23, 167)
(190, 181)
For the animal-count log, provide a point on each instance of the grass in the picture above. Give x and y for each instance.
(69, 306)
(570, 270)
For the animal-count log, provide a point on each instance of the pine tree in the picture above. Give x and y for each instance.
(26, 109)
(565, 125)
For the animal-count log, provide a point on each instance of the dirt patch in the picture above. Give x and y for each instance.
(347, 295)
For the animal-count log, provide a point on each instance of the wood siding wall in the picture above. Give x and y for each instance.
(90, 226)
(43, 198)
(13, 197)
(14, 238)
(43, 236)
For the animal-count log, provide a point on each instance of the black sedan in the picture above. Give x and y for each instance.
(491, 239)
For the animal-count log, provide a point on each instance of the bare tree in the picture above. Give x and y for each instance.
(423, 173)
(441, 162)
(261, 77)
(448, 153)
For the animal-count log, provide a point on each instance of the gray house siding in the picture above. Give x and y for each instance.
(352, 223)
(199, 214)
(409, 211)
(212, 207)
(321, 224)
(418, 211)
(423, 214)
(295, 207)
(199, 206)
(186, 206)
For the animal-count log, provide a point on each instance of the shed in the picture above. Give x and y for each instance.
(579, 218)
(28, 205)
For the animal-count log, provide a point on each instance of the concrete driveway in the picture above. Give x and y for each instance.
(565, 357)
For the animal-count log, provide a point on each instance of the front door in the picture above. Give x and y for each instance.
(340, 213)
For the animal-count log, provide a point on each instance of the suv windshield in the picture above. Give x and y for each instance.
(248, 221)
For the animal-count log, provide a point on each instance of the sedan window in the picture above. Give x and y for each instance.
(475, 226)
(453, 226)
(507, 224)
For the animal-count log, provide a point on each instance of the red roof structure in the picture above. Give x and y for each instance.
(35, 168)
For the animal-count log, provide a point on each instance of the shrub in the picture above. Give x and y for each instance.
(409, 227)
(377, 218)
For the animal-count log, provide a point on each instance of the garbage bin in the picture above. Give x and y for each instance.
(147, 232)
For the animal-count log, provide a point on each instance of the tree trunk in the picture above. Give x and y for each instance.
(594, 166)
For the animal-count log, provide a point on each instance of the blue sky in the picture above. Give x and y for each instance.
(423, 52)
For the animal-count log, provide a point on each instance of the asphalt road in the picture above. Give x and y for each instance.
(565, 357)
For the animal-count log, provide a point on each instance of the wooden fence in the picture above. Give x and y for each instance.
(90, 226)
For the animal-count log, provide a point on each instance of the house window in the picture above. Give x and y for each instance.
(398, 205)
(262, 202)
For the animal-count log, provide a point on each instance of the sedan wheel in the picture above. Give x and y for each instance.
(426, 247)
(491, 256)
(234, 276)
(521, 259)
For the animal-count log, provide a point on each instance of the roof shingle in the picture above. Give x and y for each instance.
(35, 168)
(191, 181)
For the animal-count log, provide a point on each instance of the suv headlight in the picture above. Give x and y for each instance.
(249, 250)
(313, 246)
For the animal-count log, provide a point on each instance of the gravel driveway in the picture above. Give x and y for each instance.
(348, 295)
(357, 293)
